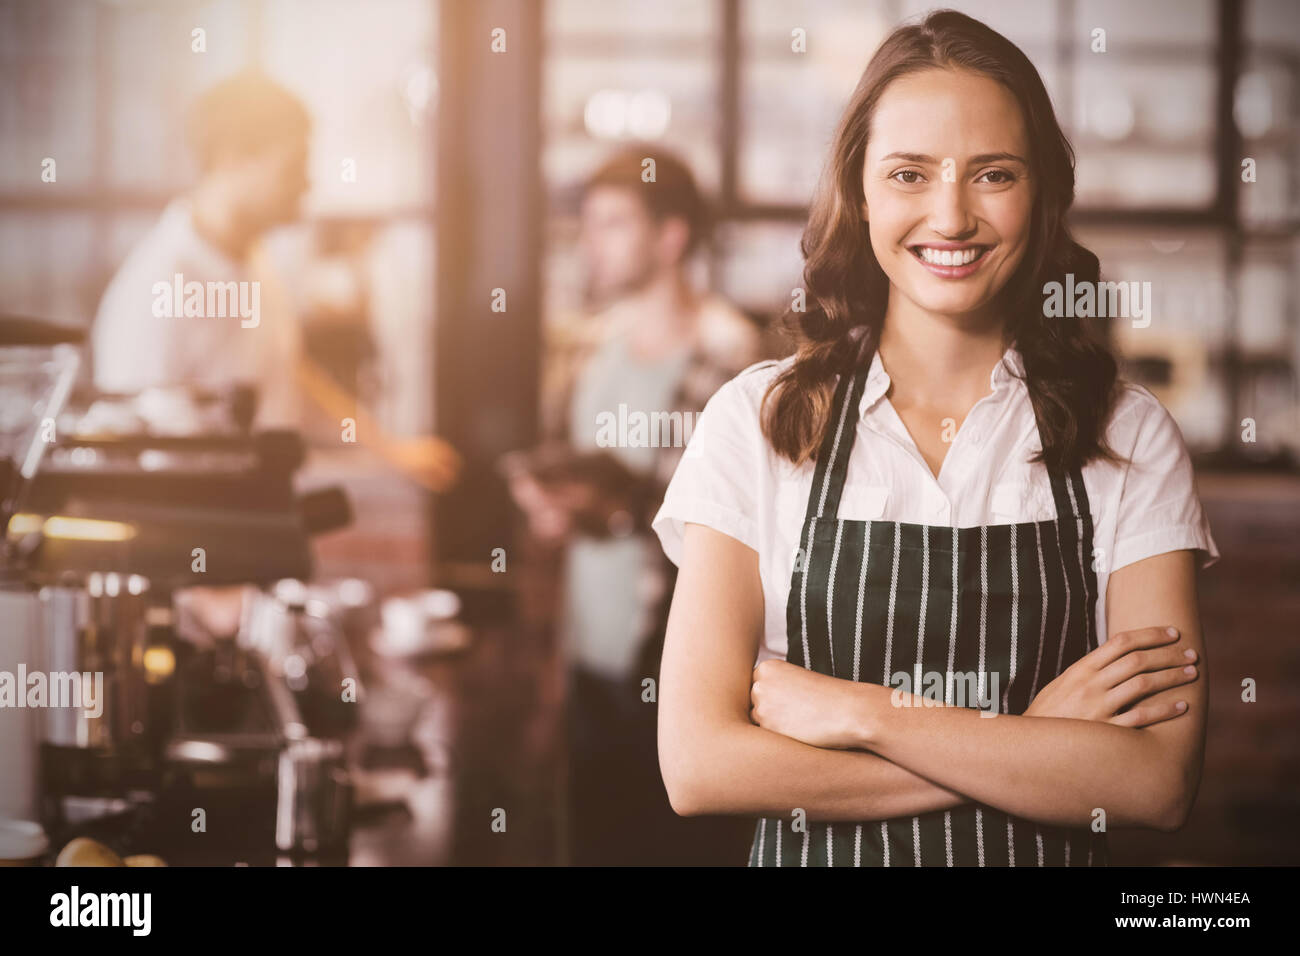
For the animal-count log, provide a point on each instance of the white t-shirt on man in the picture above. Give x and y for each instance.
(136, 347)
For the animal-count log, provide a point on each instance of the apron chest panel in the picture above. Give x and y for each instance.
(979, 617)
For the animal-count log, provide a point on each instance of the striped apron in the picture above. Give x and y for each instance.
(978, 617)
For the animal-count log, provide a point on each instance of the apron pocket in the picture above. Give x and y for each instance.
(1016, 502)
(863, 503)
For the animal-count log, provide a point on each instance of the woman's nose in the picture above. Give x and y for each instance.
(950, 212)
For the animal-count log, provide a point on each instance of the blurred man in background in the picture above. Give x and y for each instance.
(251, 138)
(199, 309)
(654, 352)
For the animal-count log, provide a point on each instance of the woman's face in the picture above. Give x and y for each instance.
(948, 194)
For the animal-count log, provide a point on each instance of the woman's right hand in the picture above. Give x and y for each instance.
(1112, 682)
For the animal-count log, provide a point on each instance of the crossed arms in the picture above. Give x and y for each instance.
(734, 739)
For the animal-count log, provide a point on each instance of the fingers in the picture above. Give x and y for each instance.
(1142, 661)
(1126, 642)
(1144, 685)
(756, 688)
(1147, 713)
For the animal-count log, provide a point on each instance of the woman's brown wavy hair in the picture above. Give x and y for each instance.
(1070, 372)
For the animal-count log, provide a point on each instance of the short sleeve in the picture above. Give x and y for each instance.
(716, 480)
(1159, 509)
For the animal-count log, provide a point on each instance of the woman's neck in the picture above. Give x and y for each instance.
(936, 361)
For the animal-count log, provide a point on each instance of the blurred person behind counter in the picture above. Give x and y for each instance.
(622, 390)
(156, 343)
(251, 139)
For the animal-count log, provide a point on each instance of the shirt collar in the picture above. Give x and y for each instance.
(1006, 372)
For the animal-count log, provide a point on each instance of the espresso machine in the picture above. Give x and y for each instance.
(164, 569)
(38, 367)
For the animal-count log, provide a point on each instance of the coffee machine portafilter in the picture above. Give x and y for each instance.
(124, 534)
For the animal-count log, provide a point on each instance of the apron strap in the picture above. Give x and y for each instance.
(1070, 494)
(832, 468)
(833, 459)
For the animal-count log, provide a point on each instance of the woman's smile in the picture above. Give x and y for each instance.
(951, 260)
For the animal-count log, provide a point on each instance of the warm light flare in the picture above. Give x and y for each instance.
(73, 529)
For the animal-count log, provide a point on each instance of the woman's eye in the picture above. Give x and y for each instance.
(902, 175)
(999, 177)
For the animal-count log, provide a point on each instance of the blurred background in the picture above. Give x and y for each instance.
(462, 272)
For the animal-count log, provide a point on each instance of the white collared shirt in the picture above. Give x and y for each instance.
(731, 480)
(135, 348)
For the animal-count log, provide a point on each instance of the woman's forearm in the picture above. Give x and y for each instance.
(1048, 769)
(745, 770)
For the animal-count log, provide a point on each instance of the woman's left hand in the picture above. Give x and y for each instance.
(814, 708)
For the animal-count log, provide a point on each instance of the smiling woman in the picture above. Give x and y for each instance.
(930, 379)
(946, 193)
